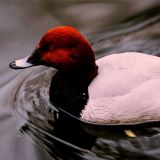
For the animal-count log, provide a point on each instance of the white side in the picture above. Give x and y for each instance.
(126, 90)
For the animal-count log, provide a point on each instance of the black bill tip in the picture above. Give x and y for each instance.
(13, 65)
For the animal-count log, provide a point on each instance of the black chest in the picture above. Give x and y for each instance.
(69, 94)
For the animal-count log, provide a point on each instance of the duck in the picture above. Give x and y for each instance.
(122, 88)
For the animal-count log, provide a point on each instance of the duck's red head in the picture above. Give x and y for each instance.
(63, 48)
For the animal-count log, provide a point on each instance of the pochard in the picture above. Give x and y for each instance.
(115, 89)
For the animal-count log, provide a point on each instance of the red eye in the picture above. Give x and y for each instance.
(51, 47)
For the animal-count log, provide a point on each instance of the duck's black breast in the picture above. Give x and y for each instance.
(69, 94)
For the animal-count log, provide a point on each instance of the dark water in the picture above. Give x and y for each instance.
(27, 119)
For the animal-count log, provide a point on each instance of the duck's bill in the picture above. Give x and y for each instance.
(21, 64)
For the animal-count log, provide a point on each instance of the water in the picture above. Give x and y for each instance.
(27, 127)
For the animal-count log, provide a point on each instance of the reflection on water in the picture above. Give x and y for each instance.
(27, 127)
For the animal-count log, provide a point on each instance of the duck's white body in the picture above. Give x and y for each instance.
(126, 90)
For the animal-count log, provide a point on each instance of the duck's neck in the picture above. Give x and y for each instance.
(70, 91)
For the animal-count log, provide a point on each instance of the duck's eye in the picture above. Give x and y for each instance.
(51, 47)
